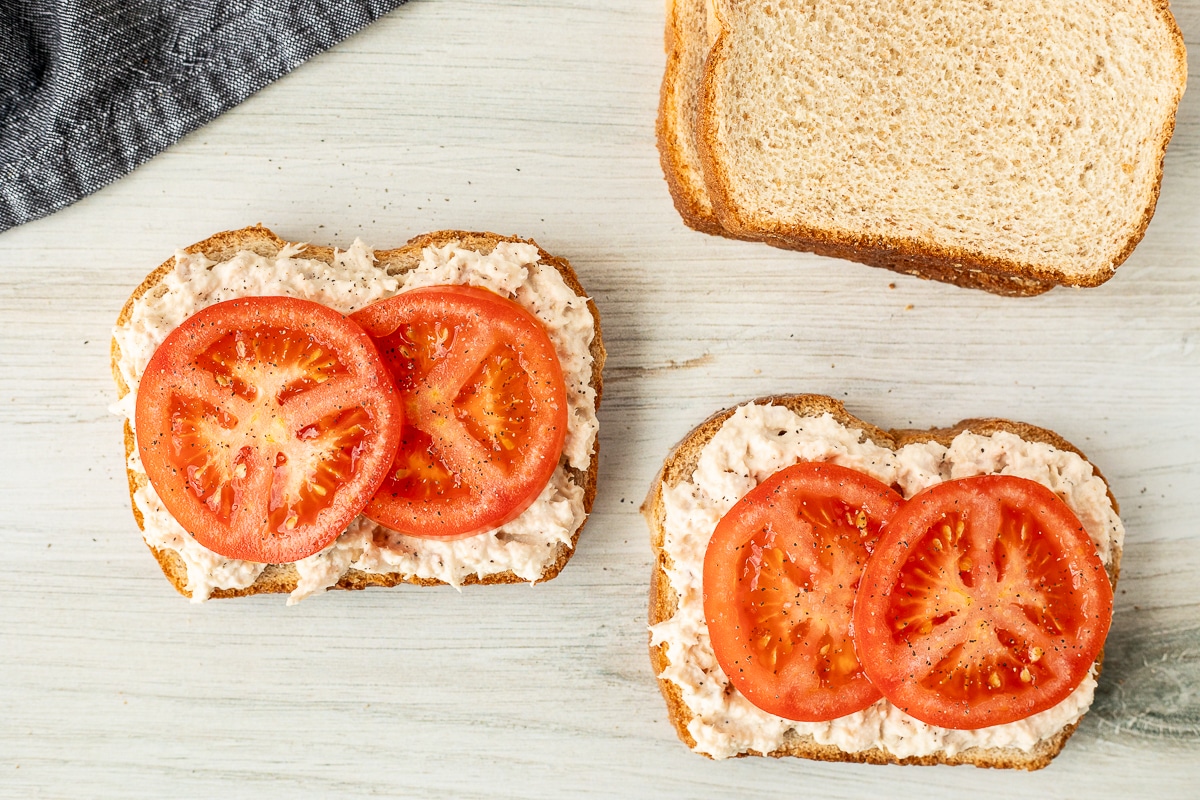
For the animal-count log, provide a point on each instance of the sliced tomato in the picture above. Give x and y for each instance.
(485, 409)
(780, 574)
(984, 603)
(265, 425)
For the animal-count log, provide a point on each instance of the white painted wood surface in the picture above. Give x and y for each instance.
(537, 118)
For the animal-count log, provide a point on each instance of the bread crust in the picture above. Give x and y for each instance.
(283, 578)
(957, 265)
(682, 461)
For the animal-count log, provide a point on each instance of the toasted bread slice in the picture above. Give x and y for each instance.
(282, 578)
(679, 466)
(1011, 149)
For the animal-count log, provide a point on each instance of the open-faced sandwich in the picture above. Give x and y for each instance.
(299, 418)
(827, 589)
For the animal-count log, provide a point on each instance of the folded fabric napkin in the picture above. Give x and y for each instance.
(90, 89)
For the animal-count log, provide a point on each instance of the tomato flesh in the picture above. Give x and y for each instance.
(265, 424)
(780, 575)
(984, 603)
(485, 410)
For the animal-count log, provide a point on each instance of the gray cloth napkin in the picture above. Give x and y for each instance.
(90, 89)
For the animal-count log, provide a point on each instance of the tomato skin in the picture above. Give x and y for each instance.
(984, 603)
(265, 424)
(780, 573)
(485, 410)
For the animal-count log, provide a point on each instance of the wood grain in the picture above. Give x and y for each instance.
(537, 119)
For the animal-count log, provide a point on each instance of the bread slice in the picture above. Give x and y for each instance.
(679, 466)
(690, 31)
(687, 44)
(282, 578)
(688, 41)
(1009, 146)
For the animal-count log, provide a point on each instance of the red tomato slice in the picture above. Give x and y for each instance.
(985, 602)
(780, 574)
(265, 424)
(485, 409)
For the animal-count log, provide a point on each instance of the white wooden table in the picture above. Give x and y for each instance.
(537, 118)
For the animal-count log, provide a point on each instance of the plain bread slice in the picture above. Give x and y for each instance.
(1020, 139)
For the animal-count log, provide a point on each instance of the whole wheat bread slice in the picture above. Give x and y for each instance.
(678, 468)
(282, 578)
(1008, 146)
